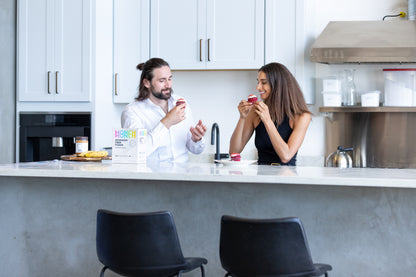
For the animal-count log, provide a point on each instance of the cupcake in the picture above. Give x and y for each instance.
(252, 98)
(235, 157)
(180, 102)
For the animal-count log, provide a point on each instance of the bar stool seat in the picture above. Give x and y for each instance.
(142, 244)
(266, 247)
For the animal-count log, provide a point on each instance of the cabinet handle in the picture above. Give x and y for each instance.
(56, 82)
(115, 84)
(200, 50)
(209, 59)
(49, 85)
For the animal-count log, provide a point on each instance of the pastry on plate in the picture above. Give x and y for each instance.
(235, 157)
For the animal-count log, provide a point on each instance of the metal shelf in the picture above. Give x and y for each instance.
(359, 109)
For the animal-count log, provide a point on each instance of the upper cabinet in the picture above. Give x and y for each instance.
(208, 34)
(131, 46)
(287, 24)
(54, 50)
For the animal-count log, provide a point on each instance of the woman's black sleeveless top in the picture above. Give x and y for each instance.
(264, 146)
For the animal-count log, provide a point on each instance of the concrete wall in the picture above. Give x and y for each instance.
(48, 225)
(7, 83)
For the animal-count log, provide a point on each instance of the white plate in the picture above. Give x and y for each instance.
(235, 163)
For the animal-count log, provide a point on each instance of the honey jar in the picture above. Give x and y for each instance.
(81, 144)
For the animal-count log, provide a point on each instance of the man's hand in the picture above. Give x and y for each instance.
(198, 131)
(174, 116)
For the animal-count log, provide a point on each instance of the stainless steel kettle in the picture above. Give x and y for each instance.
(340, 158)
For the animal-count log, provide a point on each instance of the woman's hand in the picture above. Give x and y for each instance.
(262, 111)
(244, 107)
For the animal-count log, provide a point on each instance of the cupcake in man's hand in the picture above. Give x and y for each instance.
(235, 157)
(252, 98)
(180, 102)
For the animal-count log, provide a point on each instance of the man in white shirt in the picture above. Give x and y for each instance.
(170, 131)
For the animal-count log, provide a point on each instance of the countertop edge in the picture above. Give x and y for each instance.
(333, 179)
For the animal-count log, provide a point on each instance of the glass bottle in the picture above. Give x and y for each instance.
(349, 88)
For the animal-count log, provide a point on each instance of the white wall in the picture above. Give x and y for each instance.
(214, 95)
(228, 86)
(7, 83)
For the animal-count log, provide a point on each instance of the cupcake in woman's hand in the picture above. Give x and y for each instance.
(180, 102)
(235, 157)
(252, 98)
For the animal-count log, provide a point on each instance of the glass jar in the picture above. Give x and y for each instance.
(349, 91)
(81, 144)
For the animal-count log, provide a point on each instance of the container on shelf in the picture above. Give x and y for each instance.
(400, 87)
(349, 90)
(332, 99)
(332, 96)
(331, 83)
(370, 98)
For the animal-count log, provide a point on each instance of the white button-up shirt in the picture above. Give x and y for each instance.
(171, 145)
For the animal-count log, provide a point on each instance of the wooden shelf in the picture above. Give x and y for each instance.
(360, 109)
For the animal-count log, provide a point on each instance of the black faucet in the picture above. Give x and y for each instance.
(215, 131)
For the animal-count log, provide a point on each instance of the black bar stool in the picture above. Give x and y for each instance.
(142, 244)
(266, 247)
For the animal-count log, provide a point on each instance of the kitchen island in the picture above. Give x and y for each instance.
(362, 221)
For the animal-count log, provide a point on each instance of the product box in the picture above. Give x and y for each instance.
(129, 145)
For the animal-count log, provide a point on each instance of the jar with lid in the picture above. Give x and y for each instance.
(81, 144)
(349, 88)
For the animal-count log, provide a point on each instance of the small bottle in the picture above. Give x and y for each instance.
(349, 88)
(81, 144)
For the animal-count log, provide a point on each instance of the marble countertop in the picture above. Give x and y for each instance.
(361, 177)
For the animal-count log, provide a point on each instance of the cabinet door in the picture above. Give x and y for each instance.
(35, 42)
(131, 47)
(235, 34)
(72, 50)
(178, 32)
(285, 40)
(54, 50)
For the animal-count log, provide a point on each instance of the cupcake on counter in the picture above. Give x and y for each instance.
(252, 98)
(235, 157)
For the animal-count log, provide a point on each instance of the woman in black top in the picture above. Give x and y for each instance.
(280, 120)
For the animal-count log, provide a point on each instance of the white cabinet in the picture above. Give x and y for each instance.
(208, 34)
(131, 46)
(54, 50)
(286, 22)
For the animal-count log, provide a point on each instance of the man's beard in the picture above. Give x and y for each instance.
(161, 95)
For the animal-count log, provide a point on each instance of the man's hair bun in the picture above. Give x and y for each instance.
(140, 66)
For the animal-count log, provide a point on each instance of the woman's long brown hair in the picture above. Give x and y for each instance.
(286, 97)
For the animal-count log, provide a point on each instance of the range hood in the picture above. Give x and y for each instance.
(392, 41)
